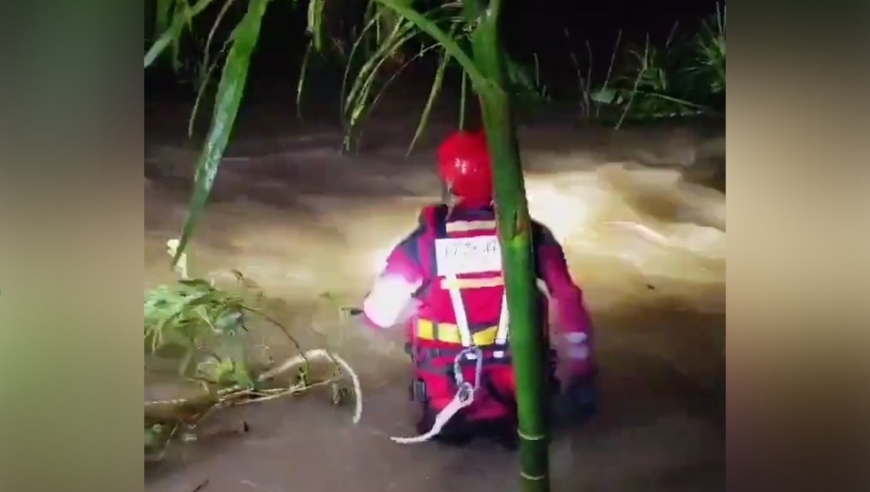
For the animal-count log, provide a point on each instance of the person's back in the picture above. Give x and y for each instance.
(464, 245)
(448, 272)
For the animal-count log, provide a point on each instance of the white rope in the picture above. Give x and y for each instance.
(456, 404)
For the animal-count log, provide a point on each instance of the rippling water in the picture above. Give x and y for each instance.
(648, 249)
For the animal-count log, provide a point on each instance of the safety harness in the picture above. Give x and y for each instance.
(491, 342)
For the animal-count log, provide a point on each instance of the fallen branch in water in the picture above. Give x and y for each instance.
(209, 325)
(226, 395)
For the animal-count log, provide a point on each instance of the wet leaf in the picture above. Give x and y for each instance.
(450, 45)
(183, 15)
(163, 14)
(430, 102)
(242, 375)
(316, 10)
(228, 99)
(154, 435)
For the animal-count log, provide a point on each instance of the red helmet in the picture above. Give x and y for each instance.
(464, 165)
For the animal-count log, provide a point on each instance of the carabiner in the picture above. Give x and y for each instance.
(478, 366)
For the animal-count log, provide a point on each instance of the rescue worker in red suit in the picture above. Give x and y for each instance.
(444, 283)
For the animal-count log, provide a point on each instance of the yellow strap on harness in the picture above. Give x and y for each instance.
(449, 333)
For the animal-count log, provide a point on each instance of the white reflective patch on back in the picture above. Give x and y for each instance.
(459, 256)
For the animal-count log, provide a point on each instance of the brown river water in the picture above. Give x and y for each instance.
(645, 240)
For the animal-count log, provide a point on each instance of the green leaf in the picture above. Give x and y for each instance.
(208, 66)
(370, 25)
(369, 107)
(228, 99)
(478, 80)
(315, 22)
(154, 435)
(242, 375)
(303, 74)
(358, 94)
(163, 12)
(472, 10)
(430, 102)
(183, 16)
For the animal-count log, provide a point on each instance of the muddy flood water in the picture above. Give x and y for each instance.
(645, 240)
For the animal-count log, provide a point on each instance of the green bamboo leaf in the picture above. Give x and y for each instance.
(210, 67)
(360, 40)
(383, 89)
(157, 332)
(203, 300)
(400, 34)
(359, 100)
(316, 9)
(180, 11)
(430, 102)
(303, 73)
(183, 15)
(472, 10)
(242, 375)
(202, 89)
(229, 96)
(163, 13)
(478, 80)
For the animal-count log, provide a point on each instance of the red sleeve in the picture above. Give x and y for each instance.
(573, 323)
(403, 262)
(553, 270)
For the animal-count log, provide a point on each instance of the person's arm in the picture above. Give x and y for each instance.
(573, 323)
(391, 300)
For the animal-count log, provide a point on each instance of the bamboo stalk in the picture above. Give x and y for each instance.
(527, 340)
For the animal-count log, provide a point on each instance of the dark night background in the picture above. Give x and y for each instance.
(531, 27)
